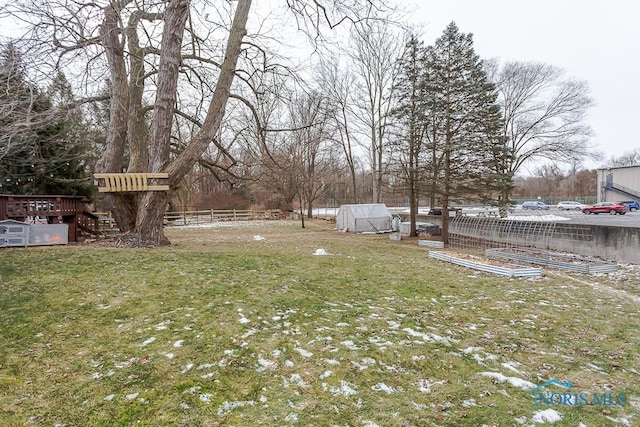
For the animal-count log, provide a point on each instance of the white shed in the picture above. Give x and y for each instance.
(373, 217)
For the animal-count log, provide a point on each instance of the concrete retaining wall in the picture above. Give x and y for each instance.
(620, 244)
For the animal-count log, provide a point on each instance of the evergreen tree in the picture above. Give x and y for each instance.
(463, 101)
(43, 147)
(410, 122)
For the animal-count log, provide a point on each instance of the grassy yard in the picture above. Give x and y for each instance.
(244, 325)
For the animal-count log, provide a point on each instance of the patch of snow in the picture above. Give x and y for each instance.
(326, 374)
(350, 345)
(148, 341)
(514, 381)
(429, 337)
(109, 398)
(227, 406)
(186, 368)
(258, 237)
(469, 403)
(511, 367)
(370, 424)
(303, 352)
(521, 420)
(169, 355)
(425, 384)
(345, 390)
(291, 417)
(297, 380)
(131, 396)
(266, 364)
(547, 416)
(289, 364)
(178, 343)
(205, 397)
(625, 421)
(333, 362)
(321, 252)
(250, 332)
(382, 387)
(244, 320)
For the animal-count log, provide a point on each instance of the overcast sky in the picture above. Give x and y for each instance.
(593, 40)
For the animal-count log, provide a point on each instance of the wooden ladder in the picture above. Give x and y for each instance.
(120, 182)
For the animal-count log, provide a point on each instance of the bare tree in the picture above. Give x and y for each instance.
(628, 158)
(338, 87)
(157, 55)
(374, 53)
(544, 114)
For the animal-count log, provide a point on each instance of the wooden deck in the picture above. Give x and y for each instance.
(52, 209)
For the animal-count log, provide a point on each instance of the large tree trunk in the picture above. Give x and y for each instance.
(113, 156)
(153, 204)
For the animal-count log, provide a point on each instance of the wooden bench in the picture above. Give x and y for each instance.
(119, 182)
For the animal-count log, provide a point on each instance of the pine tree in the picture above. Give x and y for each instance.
(411, 122)
(43, 147)
(463, 101)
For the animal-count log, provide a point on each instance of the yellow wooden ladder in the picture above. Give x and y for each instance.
(119, 182)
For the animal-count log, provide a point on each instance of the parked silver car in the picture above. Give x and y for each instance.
(570, 206)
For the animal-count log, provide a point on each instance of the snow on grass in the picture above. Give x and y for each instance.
(109, 398)
(148, 341)
(321, 252)
(295, 379)
(383, 387)
(205, 397)
(514, 381)
(227, 406)
(469, 403)
(267, 364)
(350, 345)
(131, 396)
(292, 417)
(326, 374)
(178, 343)
(625, 421)
(303, 352)
(547, 416)
(425, 384)
(258, 237)
(512, 367)
(428, 337)
(345, 389)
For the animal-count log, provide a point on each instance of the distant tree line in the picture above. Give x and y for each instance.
(377, 116)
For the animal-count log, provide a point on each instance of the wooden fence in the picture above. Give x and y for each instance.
(195, 217)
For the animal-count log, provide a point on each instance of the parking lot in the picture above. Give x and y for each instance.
(630, 219)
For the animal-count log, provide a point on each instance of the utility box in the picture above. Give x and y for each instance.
(13, 233)
(48, 234)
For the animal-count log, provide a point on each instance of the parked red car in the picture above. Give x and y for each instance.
(606, 207)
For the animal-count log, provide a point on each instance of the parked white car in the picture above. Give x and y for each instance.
(570, 206)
